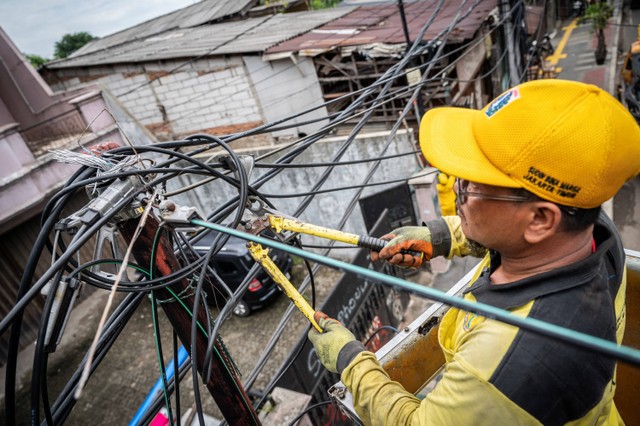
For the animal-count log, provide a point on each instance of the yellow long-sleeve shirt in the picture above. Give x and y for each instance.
(498, 374)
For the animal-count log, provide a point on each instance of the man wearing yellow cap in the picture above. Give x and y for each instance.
(533, 168)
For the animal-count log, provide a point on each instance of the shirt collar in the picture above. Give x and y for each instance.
(518, 293)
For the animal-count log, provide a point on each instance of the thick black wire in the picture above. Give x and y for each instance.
(45, 392)
(49, 208)
(114, 325)
(158, 402)
(176, 374)
(62, 260)
(283, 370)
(163, 371)
(378, 330)
(311, 407)
(205, 268)
(243, 194)
(39, 356)
(126, 286)
(14, 317)
(341, 163)
(146, 285)
(342, 188)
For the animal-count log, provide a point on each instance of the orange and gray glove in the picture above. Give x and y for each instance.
(446, 196)
(336, 346)
(411, 246)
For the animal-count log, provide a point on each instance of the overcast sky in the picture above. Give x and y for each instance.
(35, 25)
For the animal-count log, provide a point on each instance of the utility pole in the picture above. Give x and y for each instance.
(224, 384)
(514, 77)
(417, 105)
(403, 17)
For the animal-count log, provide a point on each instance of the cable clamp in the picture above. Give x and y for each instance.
(179, 217)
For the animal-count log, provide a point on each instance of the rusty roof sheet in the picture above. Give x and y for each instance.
(253, 35)
(191, 16)
(383, 24)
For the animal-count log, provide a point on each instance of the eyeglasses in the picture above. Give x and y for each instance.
(463, 194)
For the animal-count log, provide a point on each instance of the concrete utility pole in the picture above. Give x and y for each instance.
(514, 77)
(405, 29)
(417, 105)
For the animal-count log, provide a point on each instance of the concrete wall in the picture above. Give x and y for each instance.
(285, 89)
(21, 87)
(14, 153)
(26, 182)
(326, 209)
(220, 96)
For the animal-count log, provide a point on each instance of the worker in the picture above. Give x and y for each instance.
(533, 168)
(446, 196)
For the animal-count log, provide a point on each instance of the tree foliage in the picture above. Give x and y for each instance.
(311, 4)
(36, 60)
(598, 14)
(69, 43)
(323, 4)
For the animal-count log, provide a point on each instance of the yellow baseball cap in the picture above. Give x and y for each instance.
(567, 142)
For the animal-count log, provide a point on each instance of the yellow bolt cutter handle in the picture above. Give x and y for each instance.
(261, 255)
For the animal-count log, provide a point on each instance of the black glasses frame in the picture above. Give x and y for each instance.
(463, 194)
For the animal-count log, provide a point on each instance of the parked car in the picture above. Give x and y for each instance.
(232, 264)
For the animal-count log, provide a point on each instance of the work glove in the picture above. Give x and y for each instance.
(446, 195)
(411, 246)
(335, 346)
(408, 247)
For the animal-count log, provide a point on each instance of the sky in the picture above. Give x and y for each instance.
(36, 25)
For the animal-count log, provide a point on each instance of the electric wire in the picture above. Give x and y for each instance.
(119, 318)
(159, 352)
(156, 330)
(342, 188)
(378, 330)
(340, 163)
(311, 407)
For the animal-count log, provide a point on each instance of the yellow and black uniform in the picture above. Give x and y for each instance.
(498, 374)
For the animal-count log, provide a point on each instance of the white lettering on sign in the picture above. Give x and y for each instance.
(314, 366)
(346, 310)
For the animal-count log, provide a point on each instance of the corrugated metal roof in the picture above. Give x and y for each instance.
(190, 16)
(383, 24)
(250, 35)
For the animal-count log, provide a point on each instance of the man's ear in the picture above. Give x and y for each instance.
(544, 221)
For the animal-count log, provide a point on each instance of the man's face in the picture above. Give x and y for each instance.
(495, 223)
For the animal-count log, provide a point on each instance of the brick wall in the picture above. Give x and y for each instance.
(174, 99)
